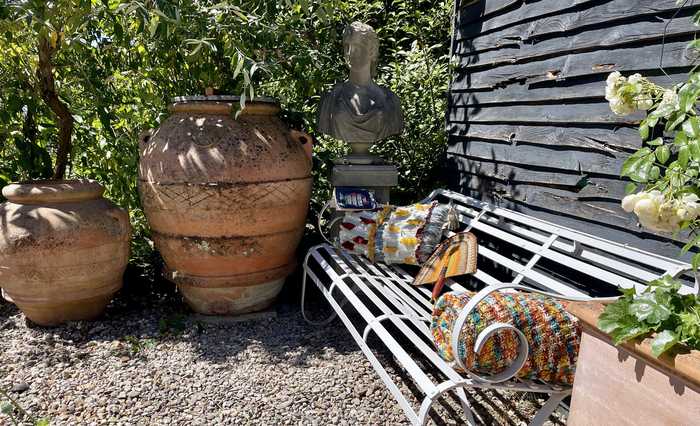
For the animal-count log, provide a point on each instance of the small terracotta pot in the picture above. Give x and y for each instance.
(63, 249)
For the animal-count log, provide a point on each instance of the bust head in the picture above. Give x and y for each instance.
(361, 46)
(359, 111)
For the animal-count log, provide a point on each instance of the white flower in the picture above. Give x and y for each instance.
(685, 214)
(614, 81)
(630, 201)
(670, 97)
(690, 206)
(669, 103)
(620, 107)
(657, 213)
(636, 78)
(654, 211)
(647, 209)
(642, 98)
(635, 96)
(644, 101)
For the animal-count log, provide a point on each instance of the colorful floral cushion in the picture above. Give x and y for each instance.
(552, 333)
(406, 235)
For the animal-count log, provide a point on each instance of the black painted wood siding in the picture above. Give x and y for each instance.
(528, 124)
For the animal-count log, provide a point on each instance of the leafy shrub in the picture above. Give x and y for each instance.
(120, 62)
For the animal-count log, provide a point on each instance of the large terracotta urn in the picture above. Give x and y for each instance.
(63, 249)
(226, 198)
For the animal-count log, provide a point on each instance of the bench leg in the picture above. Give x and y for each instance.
(443, 388)
(333, 314)
(548, 408)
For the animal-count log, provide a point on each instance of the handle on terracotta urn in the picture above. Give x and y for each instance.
(144, 137)
(305, 139)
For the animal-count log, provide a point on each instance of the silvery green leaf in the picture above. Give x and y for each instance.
(663, 342)
(646, 308)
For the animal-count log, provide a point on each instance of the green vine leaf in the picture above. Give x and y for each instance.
(644, 130)
(691, 127)
(696, 261)
(647, 308)
(683, 156)
(656, 142)
(663, 342)
(663, 153)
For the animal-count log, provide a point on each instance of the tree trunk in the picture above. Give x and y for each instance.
(47, 87)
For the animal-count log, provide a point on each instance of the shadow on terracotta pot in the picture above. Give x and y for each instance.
(226, 199)
(63, 249)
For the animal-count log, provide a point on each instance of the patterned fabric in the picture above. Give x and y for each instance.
(395, 234)
(358, 231)
(552, 333)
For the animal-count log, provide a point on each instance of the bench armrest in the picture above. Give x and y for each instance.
(523, 347)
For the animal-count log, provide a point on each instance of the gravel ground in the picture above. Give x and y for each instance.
(149, 361)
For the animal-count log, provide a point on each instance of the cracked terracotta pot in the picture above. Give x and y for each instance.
(63, 249)
(226, 200)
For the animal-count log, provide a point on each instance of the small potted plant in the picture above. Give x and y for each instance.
(63, 248)
(655, 368)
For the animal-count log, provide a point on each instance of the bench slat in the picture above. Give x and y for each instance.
(422, 380)
(657, 261)
(417, 341)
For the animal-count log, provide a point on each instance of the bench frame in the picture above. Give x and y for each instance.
(366, 296)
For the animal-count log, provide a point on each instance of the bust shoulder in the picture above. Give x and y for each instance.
(326, 109)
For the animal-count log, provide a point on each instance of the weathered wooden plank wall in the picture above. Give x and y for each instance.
(528, 122)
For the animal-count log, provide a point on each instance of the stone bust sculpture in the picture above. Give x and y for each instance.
(359, 111)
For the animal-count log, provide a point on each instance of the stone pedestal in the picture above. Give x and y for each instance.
(378, 178)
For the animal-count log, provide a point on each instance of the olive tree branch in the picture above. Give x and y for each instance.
(47, 88)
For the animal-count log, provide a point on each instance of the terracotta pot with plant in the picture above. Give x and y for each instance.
(63, 247)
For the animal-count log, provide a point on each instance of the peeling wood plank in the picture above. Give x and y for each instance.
(590, 113)
(488, 190)
(556, 201)
(609, 14)
(606, 140)
(635, 33)
(581, 88)
(473, 10)
(514, 174)
(602, 212)
(609, 189)
(545, 158)
(578, 65)
(524, 13)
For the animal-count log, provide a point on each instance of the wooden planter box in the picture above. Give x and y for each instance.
(626, 385)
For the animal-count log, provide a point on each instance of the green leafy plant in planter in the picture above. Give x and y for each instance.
(659, 309)
(667, 169)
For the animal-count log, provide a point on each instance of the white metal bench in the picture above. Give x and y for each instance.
(515, 251)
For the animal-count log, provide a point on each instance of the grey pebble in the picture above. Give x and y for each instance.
(20, 387)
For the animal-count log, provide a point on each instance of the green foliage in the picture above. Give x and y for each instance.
(118, 64)
(173, 324)
(667, 166)
(11, 409)
(661, 309)
(137, 346)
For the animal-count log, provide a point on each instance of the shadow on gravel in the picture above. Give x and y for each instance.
(148, 311)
